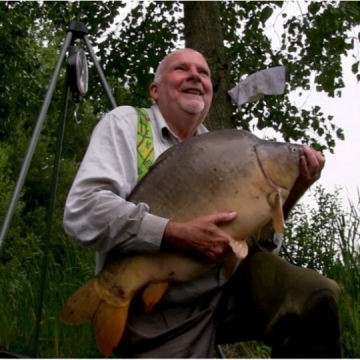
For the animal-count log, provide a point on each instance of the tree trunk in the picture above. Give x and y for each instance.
(203, 32)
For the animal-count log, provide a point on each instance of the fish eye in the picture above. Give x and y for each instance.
(293, 150)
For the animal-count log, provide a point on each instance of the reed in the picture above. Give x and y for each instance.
(326, 238)
(20, 278)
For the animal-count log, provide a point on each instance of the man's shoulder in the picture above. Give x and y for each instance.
(122, 117)
(121, 120)
(124, 112)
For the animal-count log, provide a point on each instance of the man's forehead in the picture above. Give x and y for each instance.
(186, 56)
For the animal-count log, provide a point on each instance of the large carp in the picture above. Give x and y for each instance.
(220, 171)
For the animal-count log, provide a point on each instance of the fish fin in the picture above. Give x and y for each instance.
(82, 305)
(110, 322)
(240, 248)
(153, 293)
(278, 216)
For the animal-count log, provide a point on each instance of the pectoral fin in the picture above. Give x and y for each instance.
(278, 216)
(153, 293)
(240, 248)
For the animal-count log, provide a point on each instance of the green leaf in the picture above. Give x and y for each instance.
(314, 7)
(266, 14)
(340, 134)
(355, 67)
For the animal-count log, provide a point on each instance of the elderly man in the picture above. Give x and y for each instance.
(261, 298)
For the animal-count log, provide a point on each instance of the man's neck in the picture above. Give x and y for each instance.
(184, 125)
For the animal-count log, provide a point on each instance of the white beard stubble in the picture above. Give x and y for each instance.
(193, 106)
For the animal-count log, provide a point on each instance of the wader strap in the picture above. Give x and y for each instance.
(145, 143)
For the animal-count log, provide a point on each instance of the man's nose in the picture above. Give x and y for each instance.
(194, 74)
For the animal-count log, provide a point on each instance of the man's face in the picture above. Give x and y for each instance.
(185, 83)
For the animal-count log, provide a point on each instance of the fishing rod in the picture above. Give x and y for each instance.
(76, 81)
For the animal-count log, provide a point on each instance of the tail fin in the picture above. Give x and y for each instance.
(153, 293)
(110, 322)
(82, 305)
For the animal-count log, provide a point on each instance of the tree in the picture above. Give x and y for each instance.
(232, 37)
(205, 33)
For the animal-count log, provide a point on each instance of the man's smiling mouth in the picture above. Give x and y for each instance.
(192, 91)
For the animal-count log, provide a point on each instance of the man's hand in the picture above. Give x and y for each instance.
(201, 237)
(311, 165)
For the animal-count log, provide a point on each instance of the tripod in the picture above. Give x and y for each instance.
(75, 31)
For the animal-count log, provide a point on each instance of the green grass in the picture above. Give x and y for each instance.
(19, 280)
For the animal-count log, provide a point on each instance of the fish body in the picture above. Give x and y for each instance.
(220, 171)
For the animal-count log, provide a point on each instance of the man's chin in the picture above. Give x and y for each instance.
(193, 107)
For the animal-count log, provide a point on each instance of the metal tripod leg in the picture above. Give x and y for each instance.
(219, 352)
(75, 30)
(100, 73)
(34, 140)
(50, 213)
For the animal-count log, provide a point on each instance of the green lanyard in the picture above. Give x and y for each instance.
(145, 143)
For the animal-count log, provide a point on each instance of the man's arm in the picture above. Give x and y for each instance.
(96, 211)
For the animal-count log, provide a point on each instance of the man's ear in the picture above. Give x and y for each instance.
(154, 91)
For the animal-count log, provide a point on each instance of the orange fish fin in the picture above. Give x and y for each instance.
(82, 305)
(240, 248)
(110, 322)
(153, 293)
(278, 216)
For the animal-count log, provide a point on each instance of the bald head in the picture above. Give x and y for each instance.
(166, 60)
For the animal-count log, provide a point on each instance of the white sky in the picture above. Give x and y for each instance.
(342, 169)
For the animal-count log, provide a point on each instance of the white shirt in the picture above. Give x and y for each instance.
(96, 212)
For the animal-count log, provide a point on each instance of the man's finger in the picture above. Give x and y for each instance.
(222, 217)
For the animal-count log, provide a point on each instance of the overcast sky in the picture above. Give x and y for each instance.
(342, 169)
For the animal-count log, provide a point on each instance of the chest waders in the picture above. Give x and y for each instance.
(145, 143)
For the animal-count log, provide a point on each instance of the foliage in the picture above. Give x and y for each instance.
(312, 45)
(132, 39)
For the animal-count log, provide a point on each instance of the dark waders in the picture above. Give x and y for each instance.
(292, 309)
